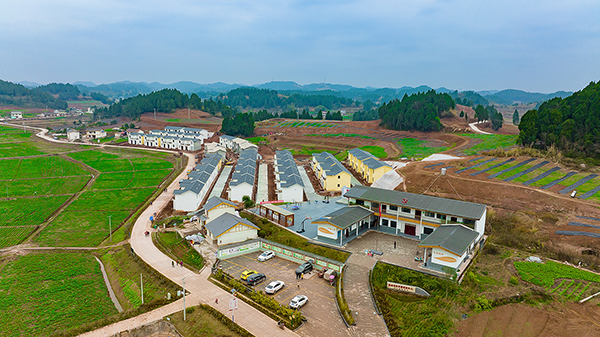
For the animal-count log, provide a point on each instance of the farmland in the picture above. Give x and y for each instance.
(414, 148)
(488, 142)
(59, 290)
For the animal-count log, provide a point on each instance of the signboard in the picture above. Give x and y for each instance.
(322, 263)
(287, 252)
(334, 267)
(272, 202)
(233, 304)
(235, 250)
(299, 256)
(401, 287)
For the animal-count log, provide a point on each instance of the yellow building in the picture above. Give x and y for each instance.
(331, 173)
(367, 165)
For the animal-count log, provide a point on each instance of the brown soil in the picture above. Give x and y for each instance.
(559, 319)
(199, 119)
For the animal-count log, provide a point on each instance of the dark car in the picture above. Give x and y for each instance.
(255, 279)
(304, 268)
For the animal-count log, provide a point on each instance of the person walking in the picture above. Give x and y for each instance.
(394, 244)
(173, 264)
(302, 276)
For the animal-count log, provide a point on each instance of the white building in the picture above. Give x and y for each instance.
(95, 133)
(192, 190)
(16, 114)
(214, 207)
(290, 187)
(229, 228)
(226, 141)
(214, 148)
(73, 135)
(136, 137)
(172, 137)
(242, 179)
(236, 144)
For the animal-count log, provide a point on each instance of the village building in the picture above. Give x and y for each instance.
(237, 145)
(172, 137)
(229, 228)
(244, 174)
(16, 114)
(192, 190)
(95, 133)
(215, 148)
(331, 173)
(289, 185)
(367, 165)
(73, 135)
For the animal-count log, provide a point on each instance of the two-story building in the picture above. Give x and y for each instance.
(172, 137)
(367, 165)
(16, 114)
(95, 133)
(243, 177)
(73, 134)
(289, 185)
(192, 190)
(331, 173)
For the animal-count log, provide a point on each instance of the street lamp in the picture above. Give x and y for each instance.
(184, 298)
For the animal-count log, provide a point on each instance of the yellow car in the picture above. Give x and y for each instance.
(247, 273)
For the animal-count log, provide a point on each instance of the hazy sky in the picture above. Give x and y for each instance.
(533, 45)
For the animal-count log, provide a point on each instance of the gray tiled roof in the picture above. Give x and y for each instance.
(453, 238)
(214, 201)
(360, 154)
(463, 209)
(225, 222)
(288, 170)
(330, 164)
(374, 164)
(347, 216)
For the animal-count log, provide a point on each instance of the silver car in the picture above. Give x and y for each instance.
(274, 287)
(298, 301)
(266, 256)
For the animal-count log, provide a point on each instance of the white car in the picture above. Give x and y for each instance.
(298, 301)
(274, 287)
(266, 255)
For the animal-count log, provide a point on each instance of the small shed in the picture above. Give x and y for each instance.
(277, 214)
(229, 228)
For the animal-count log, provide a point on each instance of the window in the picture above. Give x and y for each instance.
(360, 202)
(339, 177)
(338, 185)
(384, 222)
(453, 219)
(441, 216)
(405, 210)
(430, 214)
(393, 208)
(393, 224)
(383, 208)
(427, 230)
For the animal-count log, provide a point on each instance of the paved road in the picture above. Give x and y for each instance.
(201, 290)
(476, 129)
(262, 194)
(220, 184)
(308, 187)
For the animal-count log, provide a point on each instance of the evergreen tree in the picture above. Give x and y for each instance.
(516, 117)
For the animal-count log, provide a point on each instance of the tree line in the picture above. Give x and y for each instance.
(489, 113)
(250, 97)
(19, 95)
(420, 112)
(572, 124)
(166, 100)
(241, 124)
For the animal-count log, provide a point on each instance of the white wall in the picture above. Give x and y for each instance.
(327, 231)
(480, 224)
(218, 211)
(239, 191)
(445, 258)
(236, 234)
(187, 201)
(291, 194)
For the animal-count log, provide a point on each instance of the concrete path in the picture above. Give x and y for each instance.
(308, 187)
(474, 128)
(262, 194)
(111, 293)
(220, 184)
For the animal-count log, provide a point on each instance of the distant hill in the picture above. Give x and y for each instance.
(510, 96)
(18, 95)
(29, 85)
(85, 83)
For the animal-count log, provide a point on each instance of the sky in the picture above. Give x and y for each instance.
(535, 45)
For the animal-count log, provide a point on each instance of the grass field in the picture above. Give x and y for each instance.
(306, 124)
(44, 293)
(42, 186)
(550, 178)
(52, 166)
(489, 142)
(110, 200)
(329, 135)
(178, 248)
(256, 140)
(203, 321)
(10, 236)
(414, 148)
(19, 149)
(377, 151)
(24, 212)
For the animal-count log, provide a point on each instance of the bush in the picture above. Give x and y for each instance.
(482, 304)
(513, 281)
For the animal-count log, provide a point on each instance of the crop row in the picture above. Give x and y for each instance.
(544, 274)
(10, 236)
(25, 212)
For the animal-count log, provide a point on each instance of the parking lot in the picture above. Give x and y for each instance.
(320, 311)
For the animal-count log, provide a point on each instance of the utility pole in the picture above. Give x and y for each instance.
(184, 298)
(189, 114)
(154, 113)
(142, 287)
(110, 227)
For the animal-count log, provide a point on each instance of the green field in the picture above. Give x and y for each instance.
(24, 212)
(307, 124)
(19, 149)
(109, 200)
(414, 148)
(575, 285)
(10, 236)
(329, 135)
(42, 186)
(550, 178)
(52, 166)
(377, 151)
(256, 140)
(45, 293)
(489, 142)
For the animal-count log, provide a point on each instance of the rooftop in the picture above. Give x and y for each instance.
(453, 238)
(345, 217)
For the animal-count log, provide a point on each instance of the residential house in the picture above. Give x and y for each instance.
(289, 185)
(242, 179)
(230, 228)
(331, 173)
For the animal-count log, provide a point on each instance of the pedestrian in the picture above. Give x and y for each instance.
(173, 264)
(298, 284)
(302, 276)
(217, 301)
(394, 244)
(181, 263)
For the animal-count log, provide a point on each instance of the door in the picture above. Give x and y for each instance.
(410, 230)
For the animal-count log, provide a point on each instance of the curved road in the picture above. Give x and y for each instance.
(476, 129)
(201, 290)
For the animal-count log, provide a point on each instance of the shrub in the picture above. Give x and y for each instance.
(513, 280)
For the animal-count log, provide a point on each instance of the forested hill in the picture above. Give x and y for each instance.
(166, 100)
(571, 123)
(253, 98)
(19, 95)
(420, 112)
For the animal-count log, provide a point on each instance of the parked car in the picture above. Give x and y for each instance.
(255, 279)
(247, 273)
(304, 268)
(274, 287)
(266, 256)
(298, 301)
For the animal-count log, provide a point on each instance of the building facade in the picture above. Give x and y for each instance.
(289, 185)
(331, 173)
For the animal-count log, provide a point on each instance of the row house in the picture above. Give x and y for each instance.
(367, 165)
(289, 185)
(331, 173)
